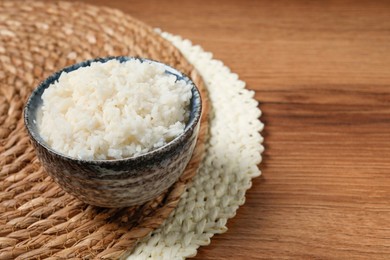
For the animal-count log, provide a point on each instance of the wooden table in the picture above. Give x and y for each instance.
(321, 71)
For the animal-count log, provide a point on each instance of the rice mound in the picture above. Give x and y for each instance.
(114, 110)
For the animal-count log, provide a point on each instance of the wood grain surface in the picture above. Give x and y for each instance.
(321, 71)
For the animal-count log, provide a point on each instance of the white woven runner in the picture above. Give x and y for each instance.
(233, 153)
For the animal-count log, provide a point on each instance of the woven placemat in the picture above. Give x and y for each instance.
(37, 219)
(234, 149)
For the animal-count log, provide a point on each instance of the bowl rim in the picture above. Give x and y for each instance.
(195, 109)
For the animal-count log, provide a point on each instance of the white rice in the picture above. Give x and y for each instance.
(114, 110)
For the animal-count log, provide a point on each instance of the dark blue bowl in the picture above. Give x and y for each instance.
(123, 182)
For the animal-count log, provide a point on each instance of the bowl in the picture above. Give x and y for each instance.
(120, 182)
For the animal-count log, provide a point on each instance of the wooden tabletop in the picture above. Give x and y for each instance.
(321, 71)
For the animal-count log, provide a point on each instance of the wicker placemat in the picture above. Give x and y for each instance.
(37, 219)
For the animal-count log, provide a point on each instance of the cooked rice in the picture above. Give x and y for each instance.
(114, 110)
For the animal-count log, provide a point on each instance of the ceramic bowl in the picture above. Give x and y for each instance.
(123, 182)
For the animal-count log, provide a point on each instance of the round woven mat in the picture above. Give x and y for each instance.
(37, 219)
(233, 153)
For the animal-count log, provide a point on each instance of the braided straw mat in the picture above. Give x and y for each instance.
(37, 219)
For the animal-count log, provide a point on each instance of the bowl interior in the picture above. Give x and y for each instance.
(34, 103)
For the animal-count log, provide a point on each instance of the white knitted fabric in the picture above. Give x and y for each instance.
(233, 153)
